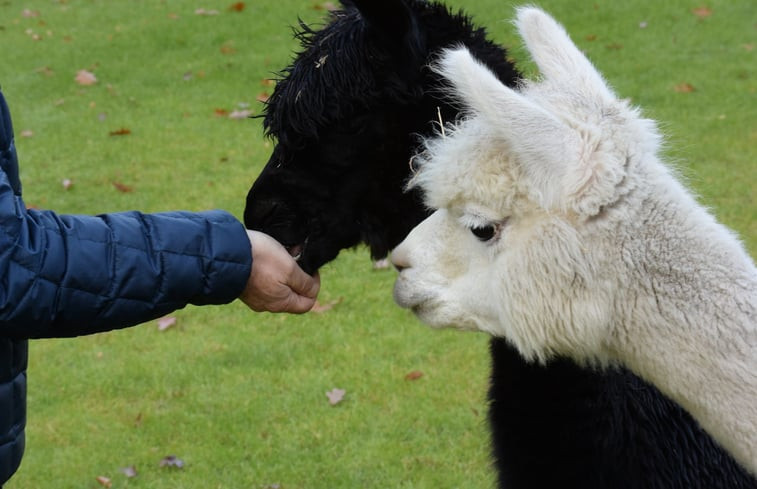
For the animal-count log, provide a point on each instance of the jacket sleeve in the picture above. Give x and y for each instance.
(64, 275)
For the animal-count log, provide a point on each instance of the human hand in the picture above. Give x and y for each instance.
(277, 283)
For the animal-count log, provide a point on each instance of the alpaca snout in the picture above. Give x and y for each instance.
(400, 258)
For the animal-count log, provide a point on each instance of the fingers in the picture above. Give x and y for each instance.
(303, 284)
(299, 304)
(277, 283)
(304, 291)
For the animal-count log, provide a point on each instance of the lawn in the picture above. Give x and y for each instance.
(238, 397)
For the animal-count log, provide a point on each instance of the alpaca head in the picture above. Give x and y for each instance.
(347, 115)
(517, 183)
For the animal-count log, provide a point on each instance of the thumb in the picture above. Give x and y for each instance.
(305, 285)
(299, 304)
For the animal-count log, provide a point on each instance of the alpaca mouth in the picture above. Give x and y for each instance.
(297, 250)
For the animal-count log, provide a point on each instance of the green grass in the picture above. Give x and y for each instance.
(240, 397)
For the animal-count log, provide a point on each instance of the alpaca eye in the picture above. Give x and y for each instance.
(484, 233)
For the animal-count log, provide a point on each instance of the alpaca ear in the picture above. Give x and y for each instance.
(541, 142)
(558, 59)
(395, 21)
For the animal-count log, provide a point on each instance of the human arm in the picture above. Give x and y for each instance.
(71, 275)
(74, 275)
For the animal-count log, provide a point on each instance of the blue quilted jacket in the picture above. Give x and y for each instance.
(74, 275)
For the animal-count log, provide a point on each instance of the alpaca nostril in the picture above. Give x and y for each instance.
(399, 261)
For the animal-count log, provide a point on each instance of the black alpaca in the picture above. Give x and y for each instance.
(346, 116)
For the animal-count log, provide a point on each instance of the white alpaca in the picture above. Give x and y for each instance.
(560, 229)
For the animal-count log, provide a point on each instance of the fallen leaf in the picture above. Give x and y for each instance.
(268, 82)
(45, 70)
(85, 78)
(335, 396)
(684, 88)
(240, 114)
(330, 6)
(166, 322)
(26, 133)
(30, 13)
(414, 375)
(321, 308)
(103, 481)
(227, 48)
(202, 11)
(262, 97)
(591, 37)
(67, 183)
(172, 461)
(221, 112)
(120, 132)
(130, 471)
(122, 188)
(702, 12)
(237, 7)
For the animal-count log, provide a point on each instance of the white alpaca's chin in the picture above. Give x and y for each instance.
(430, 308)
(408, 296)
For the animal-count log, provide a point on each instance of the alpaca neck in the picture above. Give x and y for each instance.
(692, 321)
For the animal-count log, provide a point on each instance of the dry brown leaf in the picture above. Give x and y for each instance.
(684, 88)
(45, 70)
(103, 481)
(702, 12)
(330, 6)
(26, 133)
(120, 132)
(67, 183)
(237, 7)
(262, 97)
(85, 78)
(122, 188)
(414, 375)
